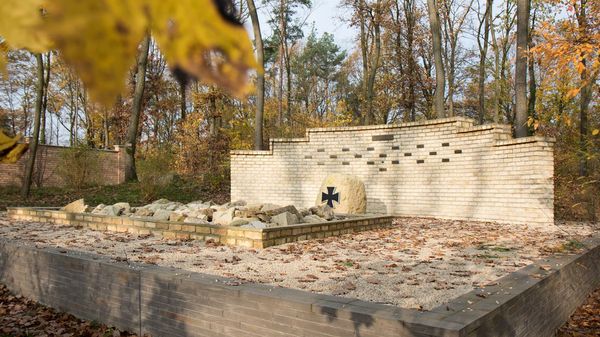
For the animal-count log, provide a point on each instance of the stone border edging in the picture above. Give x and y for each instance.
(168, 301)
(231, 235)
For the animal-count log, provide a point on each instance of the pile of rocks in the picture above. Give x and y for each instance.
(237, 213)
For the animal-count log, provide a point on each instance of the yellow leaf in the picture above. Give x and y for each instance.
(196, 39)
(10, 148)
(99, 39)
(572, 93)
(21, 25)
(595, 132)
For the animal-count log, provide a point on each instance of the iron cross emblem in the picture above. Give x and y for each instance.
(330, 197)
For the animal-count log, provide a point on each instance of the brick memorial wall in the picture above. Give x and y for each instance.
(445, 168)
(110, 172)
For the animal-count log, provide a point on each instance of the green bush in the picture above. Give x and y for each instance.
(155, 173)
(78, 166)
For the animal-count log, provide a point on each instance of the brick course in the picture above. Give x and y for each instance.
(110, 172)
(444, 168)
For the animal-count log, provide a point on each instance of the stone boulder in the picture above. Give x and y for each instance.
(161, 215)
(255, 224)
(323, 211)
(238, 222)
(122, 207)
(98, 209)
(285, 219)
(143, 211)
(77, 206)
(176, 217)
(223, 217)
(110, 210)
(344, 193)
(311, 218)
(195, 221)
(279, 210)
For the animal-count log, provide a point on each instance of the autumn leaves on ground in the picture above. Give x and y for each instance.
(22, 317)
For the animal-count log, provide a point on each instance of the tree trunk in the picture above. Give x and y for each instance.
(409, 12)
(497, 87)
(374, 64)
(25, 189)
(521, 129)
(260, 77)
(182, 102)
(45, 100)
(483, 49)
(531, 69)
(132, 132)
(360, 4)
(586, 93)
(436, 34)
(282, 38)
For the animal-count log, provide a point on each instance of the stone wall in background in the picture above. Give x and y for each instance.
(110, 172)
(445, 168)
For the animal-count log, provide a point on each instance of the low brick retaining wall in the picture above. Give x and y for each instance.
(171, 302)
(235, 236)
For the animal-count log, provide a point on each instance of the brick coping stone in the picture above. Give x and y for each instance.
(533, 301)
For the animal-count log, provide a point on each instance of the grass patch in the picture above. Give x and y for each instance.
(487, 256)
(499, 249)
(572, 245)
(182, 191)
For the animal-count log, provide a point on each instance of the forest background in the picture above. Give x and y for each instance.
(410, 60)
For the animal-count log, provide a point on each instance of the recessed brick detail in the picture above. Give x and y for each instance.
(500, 193)
(378, 138)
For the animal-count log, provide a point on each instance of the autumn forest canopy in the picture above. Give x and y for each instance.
(183, 82)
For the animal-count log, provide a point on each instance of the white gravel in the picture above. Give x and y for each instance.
(419, 263)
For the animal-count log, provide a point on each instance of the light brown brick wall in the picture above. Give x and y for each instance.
(441, 168)
(110, 172)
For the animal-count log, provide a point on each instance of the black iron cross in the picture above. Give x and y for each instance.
(330, 197)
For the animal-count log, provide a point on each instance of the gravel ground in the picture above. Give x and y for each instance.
(419, 263)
